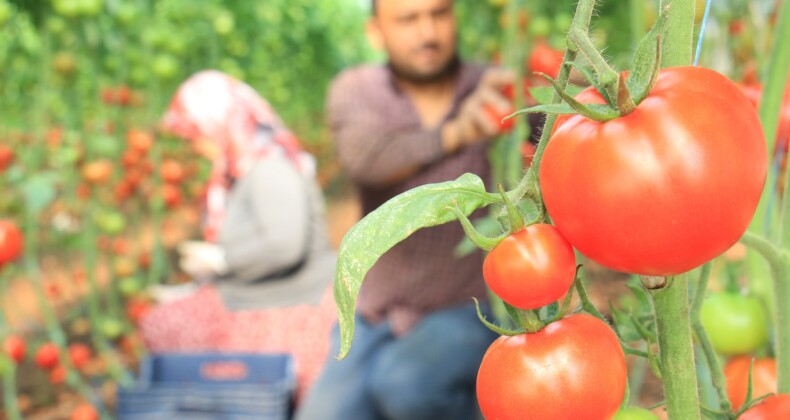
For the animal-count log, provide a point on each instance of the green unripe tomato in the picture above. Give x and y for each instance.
(111, 222)
(634, 413)
(111, 328)
(130, 285)
(735, 324)
(540, 26)
(165, 66)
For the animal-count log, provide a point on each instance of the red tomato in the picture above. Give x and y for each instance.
(571, 369)
(139, 141)
(531, 268)
(171, 172)
(737, 373)
(80, 355)
(665, 188)
(57, 375)
(545, 59)
(6, 157)
(11, 242)
(47, 356)
(84, 411)
(497, 118)
(98, 171)
(771, 408)
(15, 348)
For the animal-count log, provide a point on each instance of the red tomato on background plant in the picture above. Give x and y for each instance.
(47, 356)
(571, 369)
(531, 268)
(736, 324)
(171, 172)
(15, 348)
(737, 373)
(545, 59)
(84, 411)
(57, 375)
(11, 242)
(6, 157)
(665, 188)
(499, 118)
(80, 355)
(772, 408)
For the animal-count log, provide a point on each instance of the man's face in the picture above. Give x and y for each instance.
(418, 35)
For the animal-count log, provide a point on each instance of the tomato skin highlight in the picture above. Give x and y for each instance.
(572, 369)
(665, 188)
(531, 268)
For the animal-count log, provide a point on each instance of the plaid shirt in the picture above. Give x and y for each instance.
(377, 133)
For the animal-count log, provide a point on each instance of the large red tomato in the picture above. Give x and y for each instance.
(771, 408)
(11, 242)
(737, 373)
(531, 268)
(572, 369)
(665, 188)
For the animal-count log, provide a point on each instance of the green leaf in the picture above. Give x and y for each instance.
(39, 191)
(425, 206)
(644, 66)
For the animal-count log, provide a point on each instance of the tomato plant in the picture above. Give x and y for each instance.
(15, 348)
(737, 373)
(531, 268)
(735, 324)
(571, 369)
(47, 356)
(771, 408)
(664, 188)
(11, 242)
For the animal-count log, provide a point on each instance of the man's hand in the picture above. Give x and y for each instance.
(473, 124)
(202, 259)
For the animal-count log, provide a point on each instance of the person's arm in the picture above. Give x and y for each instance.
(276, 238)
(376, 153)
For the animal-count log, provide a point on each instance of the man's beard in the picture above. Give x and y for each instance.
(448, 70)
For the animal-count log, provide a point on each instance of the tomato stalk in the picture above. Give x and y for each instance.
(676, 348)
(717, 375)
(671, 302)
(779, 263)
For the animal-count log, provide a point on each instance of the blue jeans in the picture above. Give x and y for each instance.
(430, 373)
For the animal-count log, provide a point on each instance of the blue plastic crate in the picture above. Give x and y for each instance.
(211, 386)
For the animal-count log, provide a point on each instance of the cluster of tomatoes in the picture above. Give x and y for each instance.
(656, 192)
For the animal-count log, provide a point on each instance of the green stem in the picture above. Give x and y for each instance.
(676, 348)
(607, 77)
(678, 45)
(11, 407)
(717, 375)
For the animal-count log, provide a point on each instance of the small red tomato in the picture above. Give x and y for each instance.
(80, 355)
(47, 356)
(6, 157)
(57, 375)
(531, 268)
(84, 411)
(11, 241)
(171, 172)
(15, 348)
(771, 408)
(571, 369)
